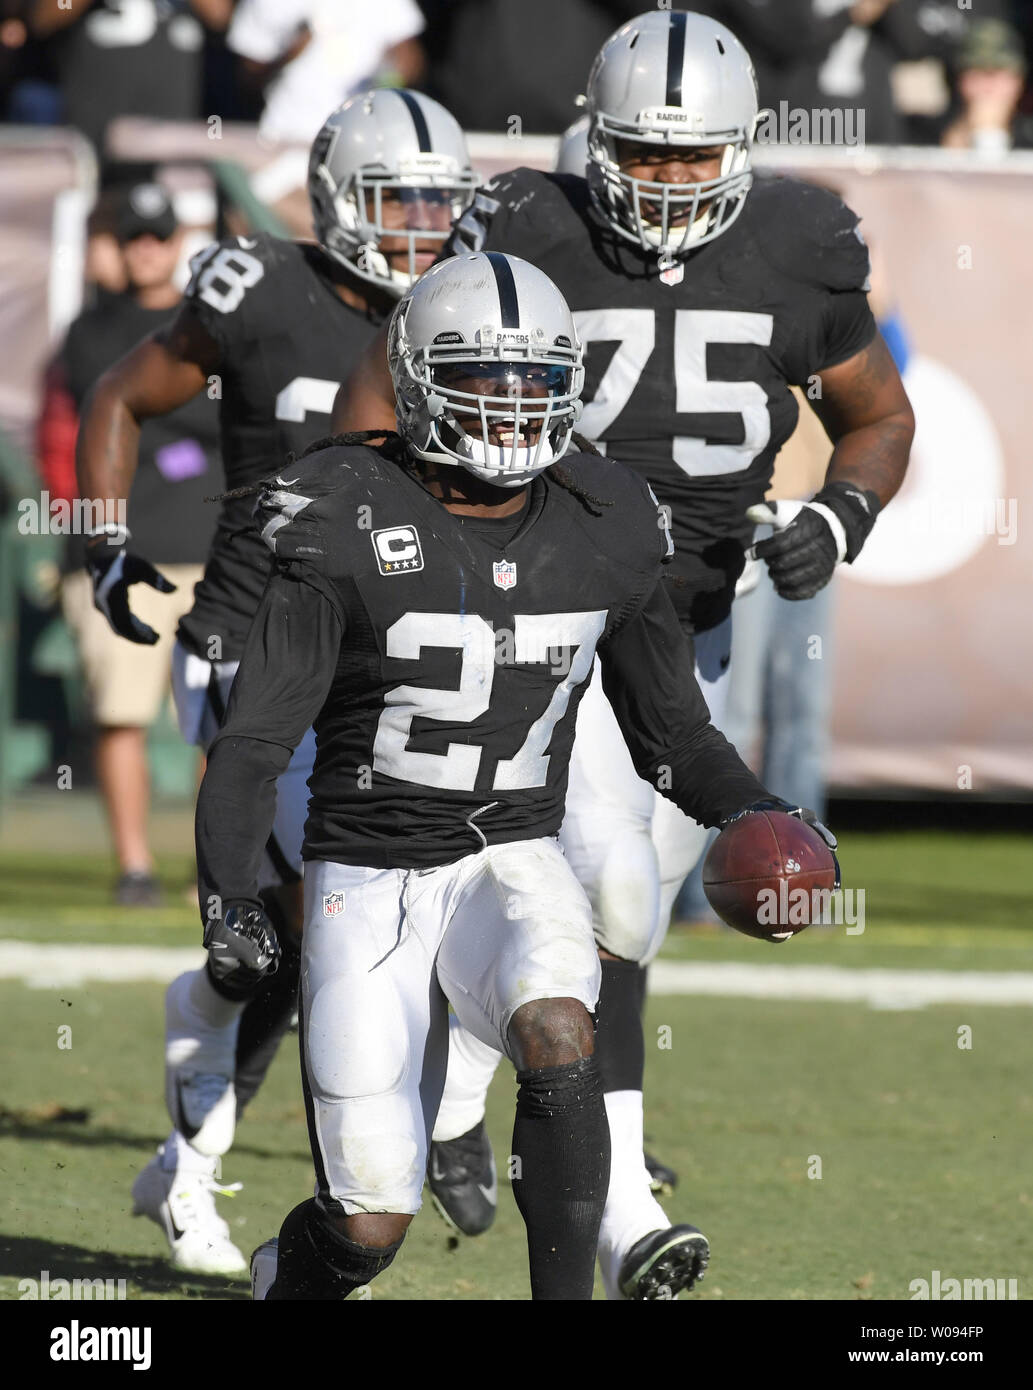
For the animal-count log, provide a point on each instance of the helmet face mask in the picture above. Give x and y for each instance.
(670, 219)
(500, 402)
(388, 174)
(671, 81)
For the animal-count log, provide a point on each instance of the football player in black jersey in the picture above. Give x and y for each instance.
(702, 295)
(435, 612)
(270, 327)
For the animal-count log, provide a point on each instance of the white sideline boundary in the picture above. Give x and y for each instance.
(62, 967)
(879, 989)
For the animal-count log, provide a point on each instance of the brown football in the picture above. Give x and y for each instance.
(768, 875)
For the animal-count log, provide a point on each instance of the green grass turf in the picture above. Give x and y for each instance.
(924, 1146)
(966, 896)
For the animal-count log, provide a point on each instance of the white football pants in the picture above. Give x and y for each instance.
(385, 951)
(630, 847)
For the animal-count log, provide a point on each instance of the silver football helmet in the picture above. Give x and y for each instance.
(388, 164)
(486, 366)
(671, 78)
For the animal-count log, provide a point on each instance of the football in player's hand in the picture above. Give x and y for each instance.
(769, 875)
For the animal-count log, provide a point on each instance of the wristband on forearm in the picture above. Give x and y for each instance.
(850, 513)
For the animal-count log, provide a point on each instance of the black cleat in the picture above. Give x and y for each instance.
(463, 1182)
(662, 1180)
(663, 1263)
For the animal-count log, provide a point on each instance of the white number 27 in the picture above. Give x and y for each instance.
(534, 636)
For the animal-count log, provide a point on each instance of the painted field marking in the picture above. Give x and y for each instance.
(56, 966)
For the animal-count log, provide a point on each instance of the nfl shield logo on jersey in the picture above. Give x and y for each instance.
(333, 904)
(505, 573)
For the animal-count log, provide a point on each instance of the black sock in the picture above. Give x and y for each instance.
(264, 1022)
(562, 1141)
(316, 1263)
(620, 1047)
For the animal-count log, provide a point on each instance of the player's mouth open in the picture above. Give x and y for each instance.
(503, 434)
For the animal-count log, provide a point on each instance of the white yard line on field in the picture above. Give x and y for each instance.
(59, 966)
(881, 989)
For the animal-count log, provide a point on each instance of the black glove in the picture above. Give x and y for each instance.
(112, 569)
(811, 538)
(242, 948)
(776, 803)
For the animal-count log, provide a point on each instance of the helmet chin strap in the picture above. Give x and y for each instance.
(654, 232)
(498, 464)
(494, 458)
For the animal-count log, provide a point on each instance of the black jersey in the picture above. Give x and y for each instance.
(287, 340)
(688, 381)
(443, 668)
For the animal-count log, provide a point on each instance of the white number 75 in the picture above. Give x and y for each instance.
(695, 392)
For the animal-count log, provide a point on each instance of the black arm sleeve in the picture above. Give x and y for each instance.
(849, 327)
(649, 679)
(280, 687)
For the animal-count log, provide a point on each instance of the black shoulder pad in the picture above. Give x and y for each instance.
(514, 187)
(293, 507)
(514, 207)
(620, 508)
(225, 274)
(808, 233)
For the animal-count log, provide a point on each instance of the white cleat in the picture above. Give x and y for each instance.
(181, 1200)
(200, 1060)
(263, 1269)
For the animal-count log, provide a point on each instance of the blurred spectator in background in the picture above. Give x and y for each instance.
(991, 77)
(28, 93)
(311, 55)
(127, 683)
(816, 54)
(104, 271)
(493, 60)
(121, 57)
(779, 687)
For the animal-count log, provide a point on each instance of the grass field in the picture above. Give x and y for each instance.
(923, 1145)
